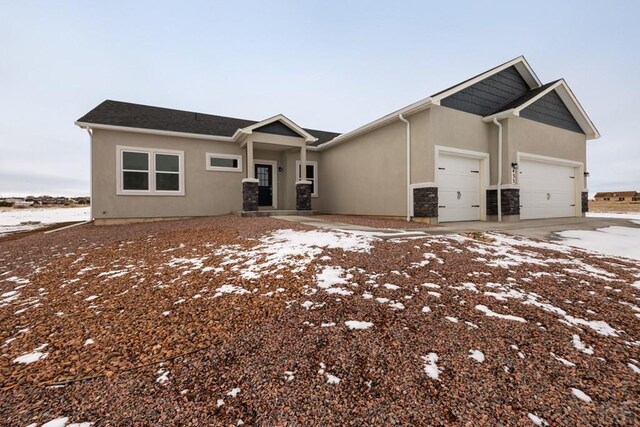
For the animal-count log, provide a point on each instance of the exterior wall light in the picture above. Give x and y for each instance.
(586, 174)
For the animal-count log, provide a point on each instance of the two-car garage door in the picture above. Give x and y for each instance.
(547, 190)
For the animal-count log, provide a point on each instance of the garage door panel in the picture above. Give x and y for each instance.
(547, 190)
(458, 188)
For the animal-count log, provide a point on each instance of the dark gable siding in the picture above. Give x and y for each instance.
(489, 94)
(277, 128)
(552, 111)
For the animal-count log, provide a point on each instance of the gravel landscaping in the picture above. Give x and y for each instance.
(256, 321)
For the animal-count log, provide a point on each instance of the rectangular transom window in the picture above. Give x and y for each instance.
(312, 175)
(149, 171)
(224, 162)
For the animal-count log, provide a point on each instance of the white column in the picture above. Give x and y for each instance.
(250, 168)
(303, 162)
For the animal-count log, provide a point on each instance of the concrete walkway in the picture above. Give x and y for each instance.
(543, 229)
(382, 233)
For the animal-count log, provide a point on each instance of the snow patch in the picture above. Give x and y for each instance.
(476, 355)
(28, 358)
(356, 324)
(430, 367)
(580, 346)
(488, 312)
(580, 395)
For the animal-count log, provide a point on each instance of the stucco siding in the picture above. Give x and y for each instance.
(366, 175)
(206, 192)
(546, 140)
(532, 137)
(465, 131)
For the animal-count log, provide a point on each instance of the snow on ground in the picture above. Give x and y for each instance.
(288, 249)
(476, 355)
(621, 215)
(430, 367)
(357, 324)
(30, 357)
(580, 394)
(10, 220)
(537, 420)
(615, 240)
(486, 310)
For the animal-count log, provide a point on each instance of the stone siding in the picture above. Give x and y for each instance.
(510, 201)
(250, 196)
(303, 197)
(425, 202)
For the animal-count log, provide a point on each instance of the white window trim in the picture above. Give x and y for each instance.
(314, 177)
(151, 171)
(223, 156)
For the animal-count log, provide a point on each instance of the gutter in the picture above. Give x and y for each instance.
(499, 186)
(90, 132)
(85, 125)
(408, 123)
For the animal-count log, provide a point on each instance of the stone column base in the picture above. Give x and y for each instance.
(510, 201)
(303, 195)
(249, 194)
(585, 202)
(425, 203)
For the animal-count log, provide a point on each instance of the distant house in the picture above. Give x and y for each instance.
(499, 145)
(618, 196)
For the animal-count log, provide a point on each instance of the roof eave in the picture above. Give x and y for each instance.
(423, 104)
(87, 125)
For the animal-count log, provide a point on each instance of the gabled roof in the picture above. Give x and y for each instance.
(520, 63)
(282, 119)
(116, 114)
(566, 95)
(616, 194)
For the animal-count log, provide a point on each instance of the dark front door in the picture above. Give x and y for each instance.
(264, 174)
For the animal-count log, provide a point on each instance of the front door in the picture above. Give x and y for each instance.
(264, 174)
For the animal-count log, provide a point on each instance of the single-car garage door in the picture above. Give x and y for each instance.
(547, 190)
(458, 188)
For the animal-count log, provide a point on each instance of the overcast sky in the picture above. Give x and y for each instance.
(326, 65)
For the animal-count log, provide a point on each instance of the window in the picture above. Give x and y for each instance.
(312, 176)
(144, 171)
(224, 162)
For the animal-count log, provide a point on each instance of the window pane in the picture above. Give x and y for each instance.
(309, 171)
(135, 161)
(135, 181)
(167, 182)
(220, 162)
(313, 185)
(167, 163)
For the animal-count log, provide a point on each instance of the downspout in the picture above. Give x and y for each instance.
(499, 186)
(90, 132)
(401, 117)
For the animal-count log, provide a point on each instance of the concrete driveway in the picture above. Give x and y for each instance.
(544, 229)
(535, 228)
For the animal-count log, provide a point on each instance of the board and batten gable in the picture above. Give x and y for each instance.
(206, 192)
(489, 94)
(366, 175)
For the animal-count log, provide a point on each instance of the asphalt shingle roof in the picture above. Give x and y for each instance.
(116, 113)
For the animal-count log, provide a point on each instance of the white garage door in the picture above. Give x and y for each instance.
(458, 188)
(547, 190)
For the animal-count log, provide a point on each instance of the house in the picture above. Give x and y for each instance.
(499, 146)
(617, 196)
